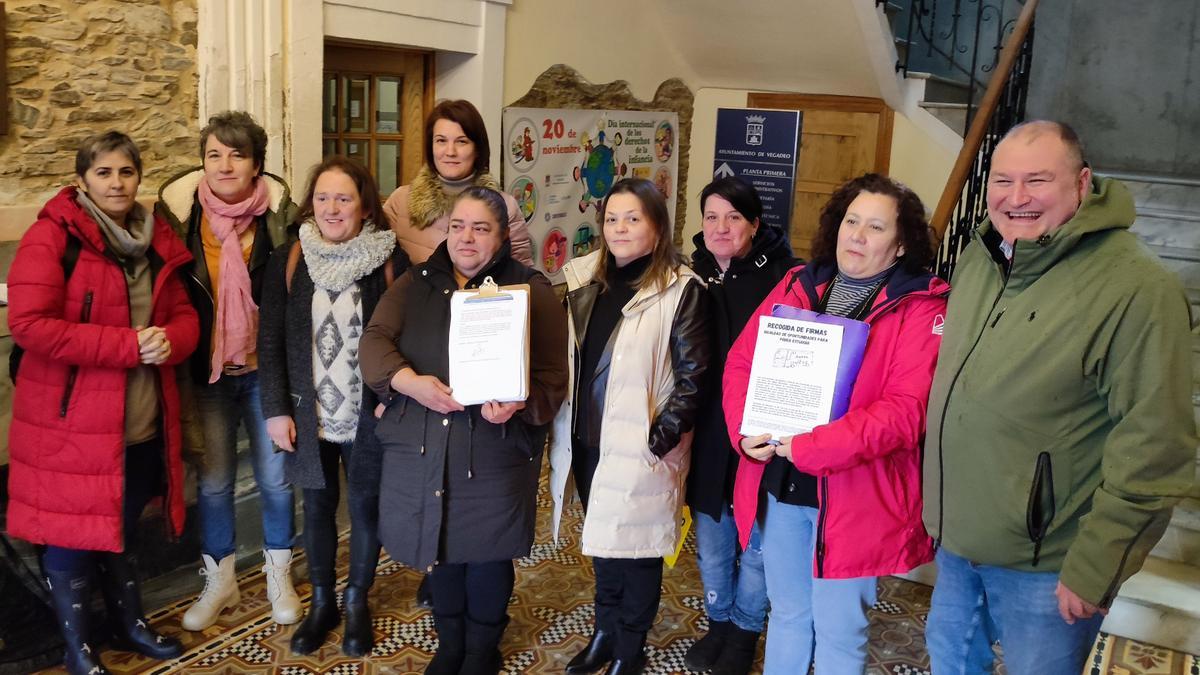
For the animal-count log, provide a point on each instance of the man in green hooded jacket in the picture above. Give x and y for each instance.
(1060, 429)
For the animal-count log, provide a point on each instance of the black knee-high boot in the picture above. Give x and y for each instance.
(359, 636)
(483, 648)
(452, 635)
(71, 594)
(123, 597)
(322, 617)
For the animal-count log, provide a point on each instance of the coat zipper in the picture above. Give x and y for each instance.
(85, 315)
(824, 513)
(937, 543)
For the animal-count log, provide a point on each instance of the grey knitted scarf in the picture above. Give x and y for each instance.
(332, 266)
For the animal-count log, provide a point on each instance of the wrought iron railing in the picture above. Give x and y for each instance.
(971, 207)
(956, 40)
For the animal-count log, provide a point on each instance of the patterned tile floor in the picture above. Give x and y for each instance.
(551, 619)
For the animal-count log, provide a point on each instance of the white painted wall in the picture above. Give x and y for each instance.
(266, 57)
(723, 51)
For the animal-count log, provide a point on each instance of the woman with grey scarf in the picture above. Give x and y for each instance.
(100, 316)
(318, 295)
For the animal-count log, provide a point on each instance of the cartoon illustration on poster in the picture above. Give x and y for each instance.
(523, 145)
(554, 251)
(598, 172)
(525, 193)
(664, 141)
(560, 163)
(662, 181)
(585, 240)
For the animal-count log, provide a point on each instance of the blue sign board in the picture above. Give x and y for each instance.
(761, 147)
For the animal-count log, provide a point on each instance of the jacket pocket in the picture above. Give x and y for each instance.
(1040, 510)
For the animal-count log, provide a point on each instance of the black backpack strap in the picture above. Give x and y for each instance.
(70, 255)
(69, 258)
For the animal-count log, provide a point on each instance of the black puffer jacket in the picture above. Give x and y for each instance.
(733, 299)
(456, 488)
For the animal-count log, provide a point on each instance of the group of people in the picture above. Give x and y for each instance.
(1030, 430)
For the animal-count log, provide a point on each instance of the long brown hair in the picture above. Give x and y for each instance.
(664, 258)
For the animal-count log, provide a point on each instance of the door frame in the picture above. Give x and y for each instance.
(350, 57)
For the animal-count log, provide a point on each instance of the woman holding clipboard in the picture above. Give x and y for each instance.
(459, 482)
(841, 504)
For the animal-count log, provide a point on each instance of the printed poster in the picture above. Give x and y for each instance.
(559, 164)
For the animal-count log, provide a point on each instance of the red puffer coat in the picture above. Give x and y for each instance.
(868, 462)
(67, 440)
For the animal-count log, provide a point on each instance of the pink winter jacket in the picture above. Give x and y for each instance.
(868, 462)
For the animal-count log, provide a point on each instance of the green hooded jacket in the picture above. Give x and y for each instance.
(1060, 429)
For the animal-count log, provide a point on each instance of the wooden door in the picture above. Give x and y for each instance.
(374, 105)
(842, 137)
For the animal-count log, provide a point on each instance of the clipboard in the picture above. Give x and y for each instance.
(483, 366)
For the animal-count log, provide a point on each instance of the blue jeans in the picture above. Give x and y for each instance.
(810, 617)
(972, 601)
(827, 617)
(734, 586)
(222, 405)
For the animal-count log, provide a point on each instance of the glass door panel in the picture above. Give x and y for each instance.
(387, 168)
(358, 102)
(329, 105)
(357, 150)
(387, 110)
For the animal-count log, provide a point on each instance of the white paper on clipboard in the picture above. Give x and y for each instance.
(489, 344)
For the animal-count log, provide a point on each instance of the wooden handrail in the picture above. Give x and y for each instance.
(979, 124)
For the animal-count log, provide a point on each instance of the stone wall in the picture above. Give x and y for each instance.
(78, 67)
(1126, 75)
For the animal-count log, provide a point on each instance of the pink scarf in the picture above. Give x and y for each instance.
(236, 323)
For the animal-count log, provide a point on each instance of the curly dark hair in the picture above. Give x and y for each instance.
(911, 221)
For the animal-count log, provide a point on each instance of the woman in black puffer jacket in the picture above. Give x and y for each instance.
(741, 260)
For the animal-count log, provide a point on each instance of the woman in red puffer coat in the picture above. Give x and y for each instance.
(95, 433)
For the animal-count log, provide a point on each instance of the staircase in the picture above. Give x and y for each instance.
(1161, 604)
(936, 50)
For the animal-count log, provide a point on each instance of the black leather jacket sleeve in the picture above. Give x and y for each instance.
(691, 352)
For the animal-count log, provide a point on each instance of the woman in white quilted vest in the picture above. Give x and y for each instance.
(639, 349)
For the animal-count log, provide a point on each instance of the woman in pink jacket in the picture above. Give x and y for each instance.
(841, 504)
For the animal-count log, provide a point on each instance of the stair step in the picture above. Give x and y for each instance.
(1156, 191)
(1167, 232)
(1181, 542)
(942, 89)
(953, 115)
(1160, 605)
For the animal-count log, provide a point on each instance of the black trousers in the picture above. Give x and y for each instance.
(320, 524)
(144, 473)
(628, 590)
(477, 591)
(627, 596)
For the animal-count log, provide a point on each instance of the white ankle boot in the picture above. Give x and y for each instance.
(285, 604)
(220, 591)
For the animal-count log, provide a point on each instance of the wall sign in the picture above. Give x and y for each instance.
(762, 148)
